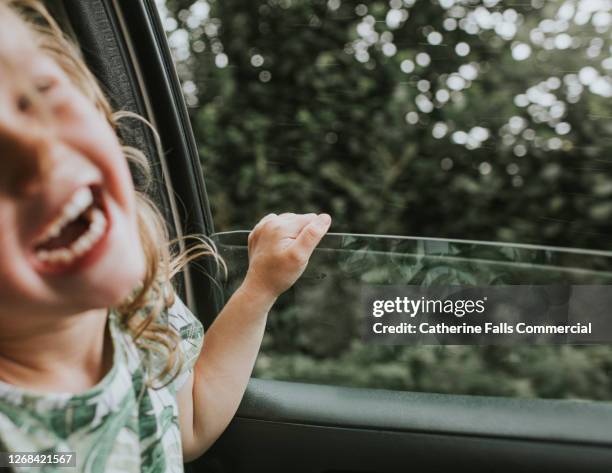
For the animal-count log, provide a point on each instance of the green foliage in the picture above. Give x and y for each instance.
(315, 332)
(331, 106)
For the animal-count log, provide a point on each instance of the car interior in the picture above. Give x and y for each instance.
(303, 427)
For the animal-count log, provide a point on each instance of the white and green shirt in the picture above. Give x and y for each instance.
(119, 425)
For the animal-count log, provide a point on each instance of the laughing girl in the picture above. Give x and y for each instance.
(98, 356)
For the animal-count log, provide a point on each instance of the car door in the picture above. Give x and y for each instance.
(322, 413)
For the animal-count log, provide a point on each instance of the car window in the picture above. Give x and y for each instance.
(414, 124)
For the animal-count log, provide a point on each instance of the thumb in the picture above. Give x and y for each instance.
(311, 234)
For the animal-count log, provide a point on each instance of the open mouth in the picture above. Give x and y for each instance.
(75, 232)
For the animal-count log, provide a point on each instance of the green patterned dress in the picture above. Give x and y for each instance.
(119, 425)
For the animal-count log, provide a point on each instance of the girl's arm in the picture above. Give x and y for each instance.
(279, 249)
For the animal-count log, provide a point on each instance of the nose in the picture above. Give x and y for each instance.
(25, 157)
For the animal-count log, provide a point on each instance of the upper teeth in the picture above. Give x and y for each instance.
(80, 201)
(82, 245)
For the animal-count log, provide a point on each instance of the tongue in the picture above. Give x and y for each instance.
(69, 234)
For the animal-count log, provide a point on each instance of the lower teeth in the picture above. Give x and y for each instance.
(81, 245)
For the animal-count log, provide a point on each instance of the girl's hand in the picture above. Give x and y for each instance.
(279, 249)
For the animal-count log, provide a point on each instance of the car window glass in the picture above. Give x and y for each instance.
(431, 119)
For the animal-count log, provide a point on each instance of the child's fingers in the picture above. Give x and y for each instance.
(293, 216)
(311, 235)
(265, 219)
(253, 234)
(260, 224)
(284, 226)
(291, 225)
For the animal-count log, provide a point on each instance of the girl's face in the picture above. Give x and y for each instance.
(69, 238)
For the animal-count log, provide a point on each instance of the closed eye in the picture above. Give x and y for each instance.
(44, 85)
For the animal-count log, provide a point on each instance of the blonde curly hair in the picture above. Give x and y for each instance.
(143, 313)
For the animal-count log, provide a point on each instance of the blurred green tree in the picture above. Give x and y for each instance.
(465, 119)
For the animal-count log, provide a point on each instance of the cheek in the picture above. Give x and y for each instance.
(123, 270)
(8, 274)
(86, 129)
(19, 289)
(9, 253)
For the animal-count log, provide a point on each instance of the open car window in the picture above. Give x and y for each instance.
(317, 331)
(434, 121)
